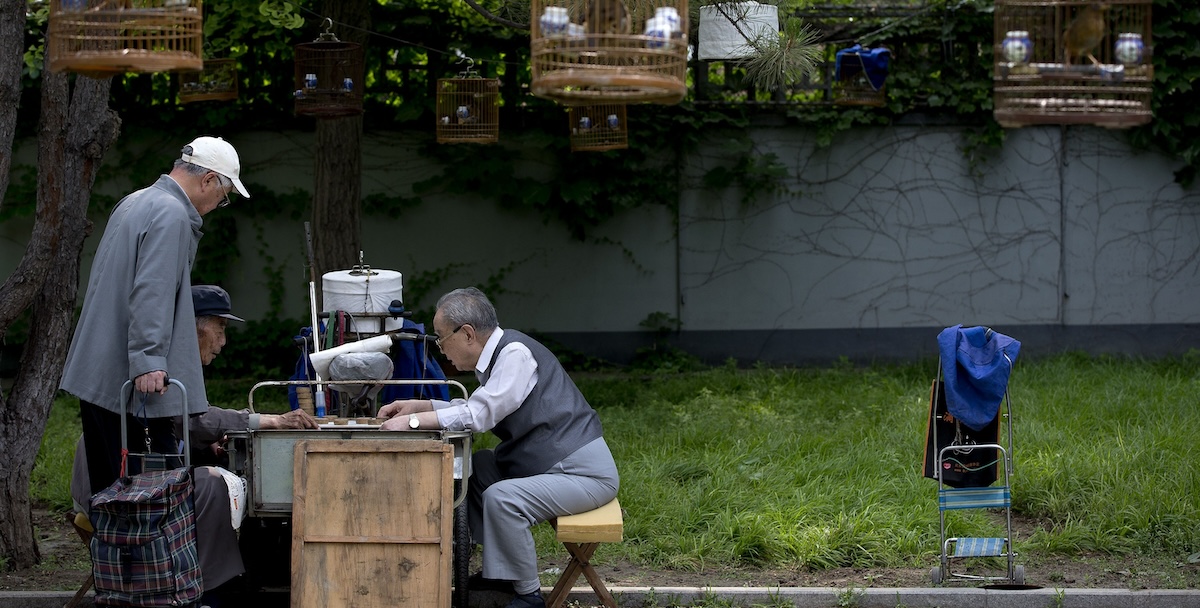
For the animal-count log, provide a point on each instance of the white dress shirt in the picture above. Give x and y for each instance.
(512, 379)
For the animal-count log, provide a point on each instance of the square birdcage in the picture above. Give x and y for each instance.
(596, 128)
(609, 51)
(860, 76)
(102, 37)
(1072, 62)
(218, 81)
(329, 76)
(468, 110)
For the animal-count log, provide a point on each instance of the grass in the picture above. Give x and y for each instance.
(820, 467)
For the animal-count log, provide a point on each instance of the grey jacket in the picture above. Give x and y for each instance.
(137, 315)
(212, 425)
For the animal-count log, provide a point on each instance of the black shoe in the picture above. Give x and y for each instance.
(529, 600)
(212, 599)
(476, 582)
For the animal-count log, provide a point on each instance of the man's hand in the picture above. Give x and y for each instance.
(404, 407)
(151, 382)
(295, 419)
(395, 423)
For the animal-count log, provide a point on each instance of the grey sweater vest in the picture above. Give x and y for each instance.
(552, 422)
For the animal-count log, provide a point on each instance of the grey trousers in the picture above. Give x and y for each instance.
(500, 512)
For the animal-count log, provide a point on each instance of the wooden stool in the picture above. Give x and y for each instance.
(581, 534)
(84, 529)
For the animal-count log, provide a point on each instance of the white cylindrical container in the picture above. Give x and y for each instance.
(554, 21)
(369, 291)
(1128, 49)
(1017, 47)
(659, 30)
(670, 14)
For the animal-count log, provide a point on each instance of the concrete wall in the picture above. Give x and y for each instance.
(1066, 238)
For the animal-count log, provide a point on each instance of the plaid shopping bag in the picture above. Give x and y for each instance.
(144, 547)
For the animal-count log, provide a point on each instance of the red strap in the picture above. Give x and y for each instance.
(124, 458)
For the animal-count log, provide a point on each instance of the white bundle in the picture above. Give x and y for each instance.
(320, 361)
(363, 367)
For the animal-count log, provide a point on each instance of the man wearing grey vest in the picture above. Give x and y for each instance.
(552, 459)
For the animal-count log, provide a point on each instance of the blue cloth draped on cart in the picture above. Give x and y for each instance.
(874, 62)
(411, 359)
(976, 372)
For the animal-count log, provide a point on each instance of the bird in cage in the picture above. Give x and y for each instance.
(607, 17)
(1085, 33)
(466, 115)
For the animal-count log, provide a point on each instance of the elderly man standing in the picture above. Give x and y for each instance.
(137, 321)
(552, 459)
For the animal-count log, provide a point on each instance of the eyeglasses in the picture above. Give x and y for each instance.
(438, 339)
(227, 185)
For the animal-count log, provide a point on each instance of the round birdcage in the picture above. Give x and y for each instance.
(106, 37)
(329, 76)
(597, 128)
(468, 108)
(609, 51)
(218, 81)
(1073, 62)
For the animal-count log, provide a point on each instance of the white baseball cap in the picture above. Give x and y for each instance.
(215, 154)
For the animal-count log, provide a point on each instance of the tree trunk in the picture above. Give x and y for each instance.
(75, 133)
(12, 45)
(337, 192)
(337, 196)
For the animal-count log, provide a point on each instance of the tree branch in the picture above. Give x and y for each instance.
(496, 18)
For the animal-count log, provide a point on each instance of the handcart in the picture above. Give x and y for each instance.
(974, 471)
(266, 458)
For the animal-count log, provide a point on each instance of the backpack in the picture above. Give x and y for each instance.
(144, 547)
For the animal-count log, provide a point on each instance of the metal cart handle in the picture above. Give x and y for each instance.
(127, 394)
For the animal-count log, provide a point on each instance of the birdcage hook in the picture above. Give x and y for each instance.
(469, 72)
(327, 35)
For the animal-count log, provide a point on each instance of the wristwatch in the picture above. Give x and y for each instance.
(413, 421)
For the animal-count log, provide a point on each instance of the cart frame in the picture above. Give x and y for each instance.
(988, 497)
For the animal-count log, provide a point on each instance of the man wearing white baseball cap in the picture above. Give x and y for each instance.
(137, 323)
(217, 155)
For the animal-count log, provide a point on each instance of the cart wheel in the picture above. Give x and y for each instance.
(936, 575)
(1018, 574)
(462, 556)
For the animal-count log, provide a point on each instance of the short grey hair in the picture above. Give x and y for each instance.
(206, 321)
(469, 306)
(191, 168)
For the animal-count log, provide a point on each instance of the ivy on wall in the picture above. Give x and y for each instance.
(1175, 128)
(942, 68)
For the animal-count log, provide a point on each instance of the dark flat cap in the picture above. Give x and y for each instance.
(210, 300)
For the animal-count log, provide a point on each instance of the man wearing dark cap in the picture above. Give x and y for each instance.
(137, 322)
(217, 544)
(213, 313)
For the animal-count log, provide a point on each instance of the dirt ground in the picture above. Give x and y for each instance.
(65, 565)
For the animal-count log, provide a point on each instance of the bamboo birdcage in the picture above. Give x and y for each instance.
(329, 76)
(609, 51)
(218, 81)
(1048, 72)
(102, 38)
(853, 87)
(597, 128)
(468, 109)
